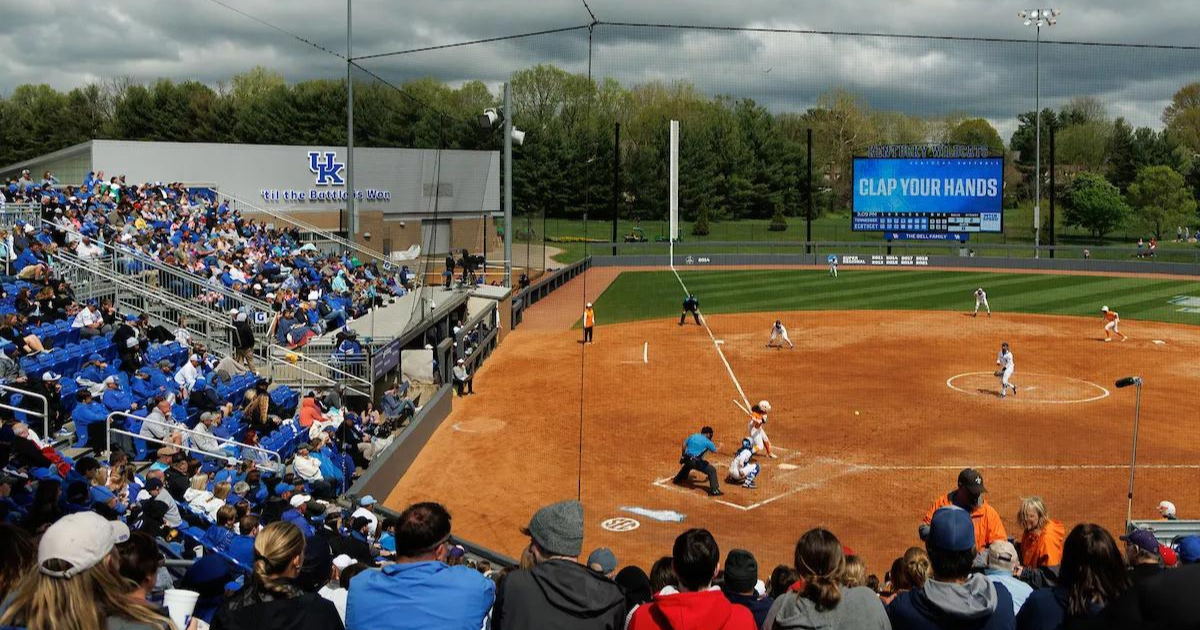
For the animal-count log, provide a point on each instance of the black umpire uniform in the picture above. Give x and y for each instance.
(690, 305)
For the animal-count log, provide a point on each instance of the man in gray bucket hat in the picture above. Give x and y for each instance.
(558, 592)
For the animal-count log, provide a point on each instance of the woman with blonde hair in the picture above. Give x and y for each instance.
(909, 572)
(77, 584)
(1041, 543)
(825, 602)
(855, 573)
(271, 599)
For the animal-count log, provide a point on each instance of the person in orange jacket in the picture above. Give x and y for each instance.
(969, 496)
(1042, 541)
(589, 322)
(310, 411)
(694, 604)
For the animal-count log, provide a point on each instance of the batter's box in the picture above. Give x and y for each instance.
(792, 473)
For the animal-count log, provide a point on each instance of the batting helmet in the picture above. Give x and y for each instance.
(1103, 309)
(764, 405)
(746, 443)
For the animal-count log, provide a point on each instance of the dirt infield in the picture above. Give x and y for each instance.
(874, 412)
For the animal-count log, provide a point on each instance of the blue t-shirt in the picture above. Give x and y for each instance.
(697, 444)
(419, 595)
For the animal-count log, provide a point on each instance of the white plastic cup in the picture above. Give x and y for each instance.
(180, 605)
(198, 550)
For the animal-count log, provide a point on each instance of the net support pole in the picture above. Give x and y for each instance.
(1053, 238)
(808, 184)
(674, 192)
(351, 219)
(616, 188)
(508, 211)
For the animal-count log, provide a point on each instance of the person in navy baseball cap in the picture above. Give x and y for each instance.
(954, 595)
(951, 530)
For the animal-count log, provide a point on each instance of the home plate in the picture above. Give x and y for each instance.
(788, 467)
(1159, 342)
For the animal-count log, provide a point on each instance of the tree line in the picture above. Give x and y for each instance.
(737, 159)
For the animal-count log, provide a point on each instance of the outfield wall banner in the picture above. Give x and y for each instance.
(920, 195)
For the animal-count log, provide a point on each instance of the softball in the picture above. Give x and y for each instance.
(856, 413)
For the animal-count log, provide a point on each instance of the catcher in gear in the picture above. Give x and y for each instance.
(757, 428)
(742, 468)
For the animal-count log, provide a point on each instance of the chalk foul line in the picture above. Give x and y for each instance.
(716, 342)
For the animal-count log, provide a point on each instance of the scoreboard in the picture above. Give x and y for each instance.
(957, 195)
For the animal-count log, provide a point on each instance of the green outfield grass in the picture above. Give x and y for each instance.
(835, 227)
(657, 294)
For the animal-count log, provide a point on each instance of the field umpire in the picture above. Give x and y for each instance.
(690, 305)
(694, 448)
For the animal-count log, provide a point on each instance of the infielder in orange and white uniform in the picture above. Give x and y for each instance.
(1112, 324)
(757, 428)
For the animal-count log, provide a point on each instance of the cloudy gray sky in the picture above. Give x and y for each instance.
(70, 42)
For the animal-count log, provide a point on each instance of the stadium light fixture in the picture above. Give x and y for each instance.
(1038, 18)
(489, 118)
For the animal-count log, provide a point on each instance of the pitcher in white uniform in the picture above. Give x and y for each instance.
(1005, 361)
(779, 333)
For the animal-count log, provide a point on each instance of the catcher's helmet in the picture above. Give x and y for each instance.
(764, 405)
(746, 443)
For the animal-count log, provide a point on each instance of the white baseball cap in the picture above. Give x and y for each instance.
(343, 561)
(1166, 508)
(300, 499)
(82, 539)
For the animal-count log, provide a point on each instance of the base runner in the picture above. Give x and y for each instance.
(779, 333)
(742, 468)
(981, 299)
(1112, 324)
(1005, 361)
(757, 428)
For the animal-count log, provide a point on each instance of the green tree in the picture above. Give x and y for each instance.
(701, 227)
(778, 221)
(1182, 116)
(1092, 203)
(1083, 145)
(976, 132)
(1160, 198)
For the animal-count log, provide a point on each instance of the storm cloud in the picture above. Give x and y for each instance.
(66, 43)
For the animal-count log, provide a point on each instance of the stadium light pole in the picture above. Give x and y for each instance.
(488, 120)
(1038, 18)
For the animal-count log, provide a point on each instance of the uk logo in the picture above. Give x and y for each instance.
(325, 166)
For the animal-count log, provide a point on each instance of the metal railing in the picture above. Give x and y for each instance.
(12, 213)
(45, 408)
(175, 428)
(93, 279)
(245, 208)
(183, 284)
(295, 368)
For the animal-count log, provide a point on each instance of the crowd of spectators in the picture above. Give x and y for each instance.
(309, 291)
